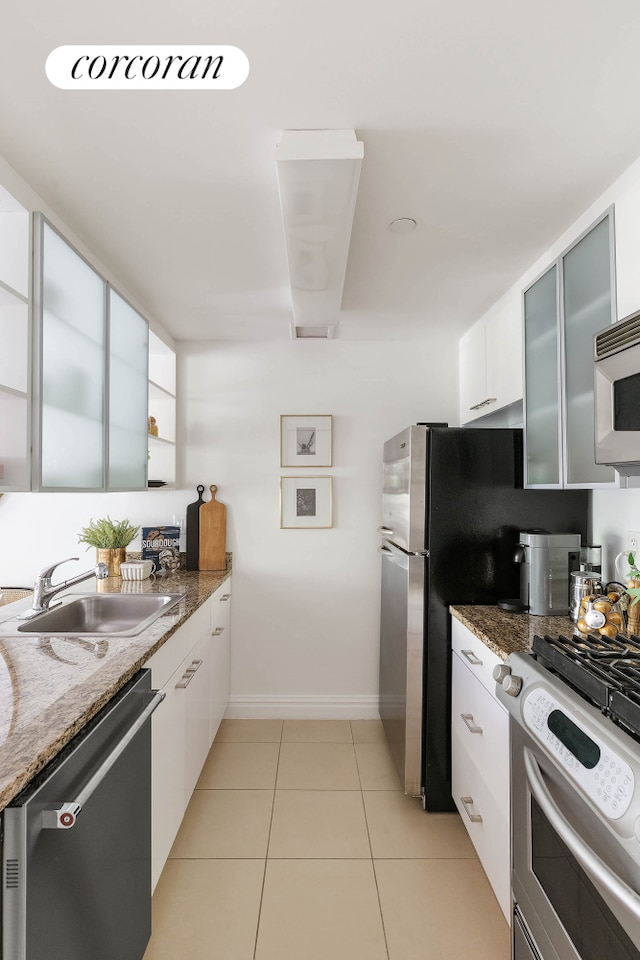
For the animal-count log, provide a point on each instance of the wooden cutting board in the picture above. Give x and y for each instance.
(213, 533)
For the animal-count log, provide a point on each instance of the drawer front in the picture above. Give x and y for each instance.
(482, 724)
(221, 609)
(490, 833)
(168, 658)
(478, 657)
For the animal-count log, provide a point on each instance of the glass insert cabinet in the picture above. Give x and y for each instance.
(562, 310)
(90, 375)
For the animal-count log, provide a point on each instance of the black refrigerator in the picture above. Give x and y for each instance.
(453, 505)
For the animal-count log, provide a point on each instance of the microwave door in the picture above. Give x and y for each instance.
(617, 410)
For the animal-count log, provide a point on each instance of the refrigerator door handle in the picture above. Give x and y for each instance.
(385, 531)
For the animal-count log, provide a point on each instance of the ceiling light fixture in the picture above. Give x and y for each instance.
(403, 225)
(318, 174)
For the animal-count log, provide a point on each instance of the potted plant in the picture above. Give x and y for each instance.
(110, 538)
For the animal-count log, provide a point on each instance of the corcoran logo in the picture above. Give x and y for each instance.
(146, 67)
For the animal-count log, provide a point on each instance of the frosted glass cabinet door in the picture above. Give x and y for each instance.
(128, 373)
(587, 309)
(72, 387)
(542, 409)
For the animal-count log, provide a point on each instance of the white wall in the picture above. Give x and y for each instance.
(306, 602)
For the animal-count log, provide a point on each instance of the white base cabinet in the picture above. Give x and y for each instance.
(480, 758)
(192, 668)
(220, 654)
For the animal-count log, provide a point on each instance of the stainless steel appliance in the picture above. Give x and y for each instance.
(546, 561)
(76, 845)
(452, 507)
(575, 795)
(617, 395)
(584, 583)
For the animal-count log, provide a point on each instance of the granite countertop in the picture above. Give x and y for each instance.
(506, 633)
(51, 687)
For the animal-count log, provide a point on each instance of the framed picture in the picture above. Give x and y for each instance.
(306, 502)
(305, 441)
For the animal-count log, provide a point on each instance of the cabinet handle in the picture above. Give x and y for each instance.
(483, 403)
(186, 680)
(471, 657)
(472, 727)
(195, 665)
(217, 631)
(466, 803)
(225, 597)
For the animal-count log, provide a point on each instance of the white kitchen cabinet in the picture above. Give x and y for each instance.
(220, 654)
(563, 309)
(162, 407)
(15, 365)
(192, 668)
(490, 366)
(480, 758)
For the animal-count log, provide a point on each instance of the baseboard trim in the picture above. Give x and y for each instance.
(302, 708)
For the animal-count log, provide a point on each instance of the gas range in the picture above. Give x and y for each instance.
(574, 707)
(604, 671)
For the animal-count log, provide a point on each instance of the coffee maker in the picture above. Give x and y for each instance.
(546, 562)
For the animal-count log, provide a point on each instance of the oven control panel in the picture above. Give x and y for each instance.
(598, 770)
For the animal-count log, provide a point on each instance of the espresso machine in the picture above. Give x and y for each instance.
(546, 563)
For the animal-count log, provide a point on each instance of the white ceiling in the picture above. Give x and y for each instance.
(493, 124)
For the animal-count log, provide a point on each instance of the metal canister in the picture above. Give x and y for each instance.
(584, 583)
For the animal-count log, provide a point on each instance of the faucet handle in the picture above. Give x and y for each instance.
(46, 572)
(101, 571)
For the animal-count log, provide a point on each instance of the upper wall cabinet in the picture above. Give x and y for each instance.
(566, 305)
(490, 361)
(128, 367)
(90, 383)
(162, 412)
(15, 368)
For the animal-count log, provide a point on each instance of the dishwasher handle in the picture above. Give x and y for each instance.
(64, 816)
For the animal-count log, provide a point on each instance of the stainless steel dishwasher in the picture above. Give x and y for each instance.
(76, 846)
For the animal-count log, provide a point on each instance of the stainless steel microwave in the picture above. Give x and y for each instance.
(617, 395)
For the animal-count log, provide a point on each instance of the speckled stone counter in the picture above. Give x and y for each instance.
(506, 633)
(50, 687)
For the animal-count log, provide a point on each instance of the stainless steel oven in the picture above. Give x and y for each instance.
(617, 395)
(575, 822)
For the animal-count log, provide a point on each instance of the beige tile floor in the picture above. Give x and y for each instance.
(299, 844)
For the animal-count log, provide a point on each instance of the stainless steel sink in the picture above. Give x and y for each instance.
(114, 614)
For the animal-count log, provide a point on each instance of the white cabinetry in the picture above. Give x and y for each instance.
(480, 758)
(220, 654)
(162, 407)
(490, 366)
(15, 367)
(192, 668)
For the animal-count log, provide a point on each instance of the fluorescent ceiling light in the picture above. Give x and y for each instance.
(318, 174)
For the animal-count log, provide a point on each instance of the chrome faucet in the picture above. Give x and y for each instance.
(44, 591)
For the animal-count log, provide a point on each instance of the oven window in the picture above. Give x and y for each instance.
(593, 929)
(626, 403)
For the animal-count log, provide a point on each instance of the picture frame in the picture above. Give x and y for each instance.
(306, 441)
(306, 503)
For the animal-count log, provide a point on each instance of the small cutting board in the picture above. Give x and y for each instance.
(193, 531)
(213, 533)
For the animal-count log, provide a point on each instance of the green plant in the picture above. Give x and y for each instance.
(108, 534)
(634, 574)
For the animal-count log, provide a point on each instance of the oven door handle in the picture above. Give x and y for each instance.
(594, 867)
